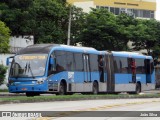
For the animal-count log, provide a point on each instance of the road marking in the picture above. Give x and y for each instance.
(98, 108)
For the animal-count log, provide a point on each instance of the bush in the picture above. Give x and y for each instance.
(3, 70)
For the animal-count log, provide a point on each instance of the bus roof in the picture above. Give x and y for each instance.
(130, 54)
(46, 48)
(37, 48)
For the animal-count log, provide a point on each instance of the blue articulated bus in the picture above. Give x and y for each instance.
(133, 72)
(63, 69)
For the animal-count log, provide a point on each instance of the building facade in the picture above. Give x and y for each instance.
(136, 8)
(16, 43)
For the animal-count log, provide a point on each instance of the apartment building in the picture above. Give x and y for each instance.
(136, 8)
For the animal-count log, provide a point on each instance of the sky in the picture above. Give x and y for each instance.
(158, 10)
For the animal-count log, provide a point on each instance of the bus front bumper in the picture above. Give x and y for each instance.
(27, 88)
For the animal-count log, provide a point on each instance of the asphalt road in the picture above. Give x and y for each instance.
(105, 108)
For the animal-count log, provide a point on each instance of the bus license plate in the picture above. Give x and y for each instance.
(24, 88)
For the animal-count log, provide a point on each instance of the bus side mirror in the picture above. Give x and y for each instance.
(9, 60)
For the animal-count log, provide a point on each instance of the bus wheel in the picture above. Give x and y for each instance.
(29, 94)
(138, 88)
(95, 88)
(61, 89)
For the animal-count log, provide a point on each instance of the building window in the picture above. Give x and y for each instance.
(107, 8)
(102, 7)
(140, 13)
(117, 11)
(130, 12)
(122, 10)
(135, 12)
(152, 14)
(112, 10)
(97, 7)
(146, 13)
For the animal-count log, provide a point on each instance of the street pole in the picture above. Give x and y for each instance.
(69, 28)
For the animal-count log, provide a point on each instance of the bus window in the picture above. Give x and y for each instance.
(101, 67)
(116, 65)
(78, 62)
(140, 67)
(60, 61)
(69, 61)
(121, 65)
(94, 62)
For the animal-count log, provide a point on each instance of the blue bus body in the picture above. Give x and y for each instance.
(144, 72)
(68, 69)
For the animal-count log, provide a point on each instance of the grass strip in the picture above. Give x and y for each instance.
(24, 99)
(3, 90)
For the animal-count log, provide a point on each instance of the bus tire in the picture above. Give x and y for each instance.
(32, 94)
(95, 88)
(61, 89)
(138, 88)
(29, 94)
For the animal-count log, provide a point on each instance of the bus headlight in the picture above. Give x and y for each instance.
(40, 81)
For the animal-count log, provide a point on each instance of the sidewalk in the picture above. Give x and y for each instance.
(11, 94)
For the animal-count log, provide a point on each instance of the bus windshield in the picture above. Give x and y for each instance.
(28, 65)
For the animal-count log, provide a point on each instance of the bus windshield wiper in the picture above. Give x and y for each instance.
(29, 68)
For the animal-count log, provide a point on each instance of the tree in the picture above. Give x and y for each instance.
(144, 35)
(46, 20)
(102, 32)
(124, 21)
(14, 14)
(156, 48)
(4, 38)
(77, 22)
(3, 70)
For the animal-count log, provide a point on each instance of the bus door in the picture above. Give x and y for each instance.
(101, 67)
(132, 65)
(110, 72)
(148, 70)
(133, 69)
(87, 75)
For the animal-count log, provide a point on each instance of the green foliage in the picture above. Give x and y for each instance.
(45, 19)
(24, 99)
(124, 21)
(4, 38)
(3, 71)
(77, 23)
(14, 14)
(48, 20)
(102, 32)
(144, 35)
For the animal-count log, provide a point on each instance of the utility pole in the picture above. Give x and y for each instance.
(69, 28)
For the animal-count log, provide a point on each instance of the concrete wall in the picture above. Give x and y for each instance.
(3, 58)
(21, 41)
(16, 43)
(85, 5)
